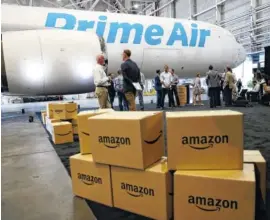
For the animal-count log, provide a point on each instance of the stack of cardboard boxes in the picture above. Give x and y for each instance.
(211, 181)
(61, 121)
(126, 168)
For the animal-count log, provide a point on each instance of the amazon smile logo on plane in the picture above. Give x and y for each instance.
(137, 191)
(88, 179)
(212, 204)
(204, 142)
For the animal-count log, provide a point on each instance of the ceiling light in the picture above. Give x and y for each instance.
(136, 6)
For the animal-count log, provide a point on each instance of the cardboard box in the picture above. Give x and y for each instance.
(83, 128)
(49, 123)
(147, 193)
(65, 111)
(90, 180)
(127, 139)
(75, 126)
(50, 109)
(43, 117)
(62, 132)
(221, 195)
(200, 140)
(255, 157)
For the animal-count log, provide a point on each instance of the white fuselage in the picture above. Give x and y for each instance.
(187, 46)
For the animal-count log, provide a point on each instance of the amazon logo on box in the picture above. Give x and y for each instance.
(65, 111)
(62, 132)
(127, 139)
(144, 192)
(205, 140)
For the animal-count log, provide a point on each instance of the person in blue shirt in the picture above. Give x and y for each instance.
(158, 88)
(119, 88)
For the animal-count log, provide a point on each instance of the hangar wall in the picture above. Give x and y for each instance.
(248, 20)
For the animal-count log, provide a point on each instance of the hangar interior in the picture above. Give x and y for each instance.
(248, 20)
(36, 182)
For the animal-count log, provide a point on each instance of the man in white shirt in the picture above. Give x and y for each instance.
(101, 82)
(166, 81)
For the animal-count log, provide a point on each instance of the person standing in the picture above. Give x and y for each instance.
(101, 82)
(213, 83)
(132, 77)
(119, 88)
(158, 88)
(174, 93)
(197, 88)
(111, 91)
(166, 80)
(228, 86)
(140, 92)
(239, 85)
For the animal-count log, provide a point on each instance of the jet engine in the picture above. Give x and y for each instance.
(49, 62)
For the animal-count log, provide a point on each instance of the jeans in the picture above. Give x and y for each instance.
(123, 104)
(213, 97)
(228, 95)
(112, 96)
(166, 91)
(175, 94)
(140, 95)
(159, 97)
(218, 90)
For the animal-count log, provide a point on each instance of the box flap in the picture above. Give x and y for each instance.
(61, 123)
(159, 167)
(125, 115)
(247, 174)
(254, 159)
(252, 152)
(86, 157)
(202, 113)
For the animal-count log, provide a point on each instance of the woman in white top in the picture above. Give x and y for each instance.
(197, 88)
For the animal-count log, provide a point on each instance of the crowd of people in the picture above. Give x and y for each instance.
(230, 88)
(129, 84)
(166, 85)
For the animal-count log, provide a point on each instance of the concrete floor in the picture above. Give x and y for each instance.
(35, 184)
(84, 103)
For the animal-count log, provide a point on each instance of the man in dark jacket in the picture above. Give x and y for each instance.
(132, 77)
(213, 83)
(158, 88)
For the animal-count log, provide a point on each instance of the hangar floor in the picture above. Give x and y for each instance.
(36, 186)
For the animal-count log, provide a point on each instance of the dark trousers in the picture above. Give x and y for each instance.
(159, 97)
(166, 91)
(213, 97)
(123, 104)
(228, 95)
(218, 90)
(175, 94)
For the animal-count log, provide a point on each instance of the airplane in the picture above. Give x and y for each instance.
(52, 51)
